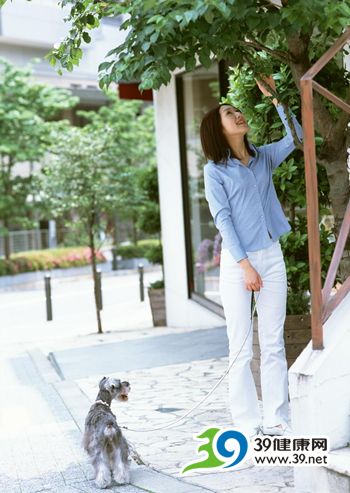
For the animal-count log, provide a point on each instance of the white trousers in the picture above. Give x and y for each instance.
(271, 309)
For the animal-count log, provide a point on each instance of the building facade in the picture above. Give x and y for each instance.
(191, 243)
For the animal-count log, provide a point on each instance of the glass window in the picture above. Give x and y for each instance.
(199, 92)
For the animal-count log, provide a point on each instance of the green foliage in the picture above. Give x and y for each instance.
(166, 35)
(266, 126)
(25, 134)
(155, 254)
(129, 125)
(295, 249)
(136, 251)
(289, 177)
(92, 171)
(149, 213)
(156, 284)
(58, 258)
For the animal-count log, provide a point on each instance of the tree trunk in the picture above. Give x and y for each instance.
(94, 275)
(339, 198)
(115, 230)
(7, 248)
(7, 188)
(134, 231)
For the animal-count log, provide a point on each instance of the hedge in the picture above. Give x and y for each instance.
(137, 251)
(55, 258)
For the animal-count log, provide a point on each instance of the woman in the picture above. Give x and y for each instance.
(245, 208)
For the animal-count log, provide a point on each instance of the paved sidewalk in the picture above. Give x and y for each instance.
(41, 415)
(160, 394)
(40, 439)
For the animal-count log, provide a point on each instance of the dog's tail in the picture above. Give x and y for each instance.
(110, 431)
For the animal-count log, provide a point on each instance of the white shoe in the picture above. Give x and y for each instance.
(279, 430)
(252, 432)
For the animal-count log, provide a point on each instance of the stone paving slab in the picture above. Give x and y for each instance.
(40, 442)
(159, 350)
(161, 395)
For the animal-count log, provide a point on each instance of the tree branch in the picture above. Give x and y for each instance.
(338, 128)
(298, 46)
(297, 142)
(280, 55)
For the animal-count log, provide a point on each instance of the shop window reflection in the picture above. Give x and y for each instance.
(200, 94)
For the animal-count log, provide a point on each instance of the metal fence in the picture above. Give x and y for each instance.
(22, 241)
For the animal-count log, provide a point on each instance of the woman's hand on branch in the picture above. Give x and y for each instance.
(269, 82)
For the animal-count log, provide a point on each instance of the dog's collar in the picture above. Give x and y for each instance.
(102, 402)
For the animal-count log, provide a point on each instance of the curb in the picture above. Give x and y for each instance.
(77, 404)
(37, 277)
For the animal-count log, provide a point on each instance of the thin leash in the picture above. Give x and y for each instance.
(174, 422)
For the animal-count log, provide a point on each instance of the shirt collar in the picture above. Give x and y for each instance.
(235, 160)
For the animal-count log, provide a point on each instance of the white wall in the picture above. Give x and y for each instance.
(30, 29)
(181, 311)
(319, 386)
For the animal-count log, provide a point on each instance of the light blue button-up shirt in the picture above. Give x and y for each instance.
(242, 198)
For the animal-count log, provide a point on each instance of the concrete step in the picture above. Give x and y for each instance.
(337, 471)
(339, 462)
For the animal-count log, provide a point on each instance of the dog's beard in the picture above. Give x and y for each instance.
(123, 397)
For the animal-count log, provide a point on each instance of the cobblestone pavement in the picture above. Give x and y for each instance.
(159, 396)
(41, 416)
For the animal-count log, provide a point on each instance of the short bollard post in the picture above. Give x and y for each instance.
(114, 258)
(142, 288)
(99, 290)
(48, 297)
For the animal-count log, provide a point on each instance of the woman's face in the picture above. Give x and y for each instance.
(233, 121)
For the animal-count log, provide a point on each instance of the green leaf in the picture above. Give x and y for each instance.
(104, 66)
(90, 19)
(86, 37)
(204, 59)
(154, 37)
(209, 16)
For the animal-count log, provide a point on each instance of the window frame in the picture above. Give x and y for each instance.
(223, 85)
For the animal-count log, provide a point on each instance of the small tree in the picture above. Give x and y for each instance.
(91, 171)
(133, 127)
(25, 134)
(78, 178)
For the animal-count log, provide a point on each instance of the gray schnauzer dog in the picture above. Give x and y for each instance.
(103, 439)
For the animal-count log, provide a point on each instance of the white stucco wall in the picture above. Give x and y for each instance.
(30, 29)
(181, 311)
(319, 386)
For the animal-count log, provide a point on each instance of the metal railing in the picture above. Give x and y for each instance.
(22, 241)
(322, 303)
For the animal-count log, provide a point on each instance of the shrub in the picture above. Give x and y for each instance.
(156, 284)
(57, 258)
(295, 249)
(136, 251)
(154, 254)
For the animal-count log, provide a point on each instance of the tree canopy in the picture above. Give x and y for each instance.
(164, 35)
(167, 34)
(26, 108)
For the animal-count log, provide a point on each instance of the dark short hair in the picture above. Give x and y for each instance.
(214, 142)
